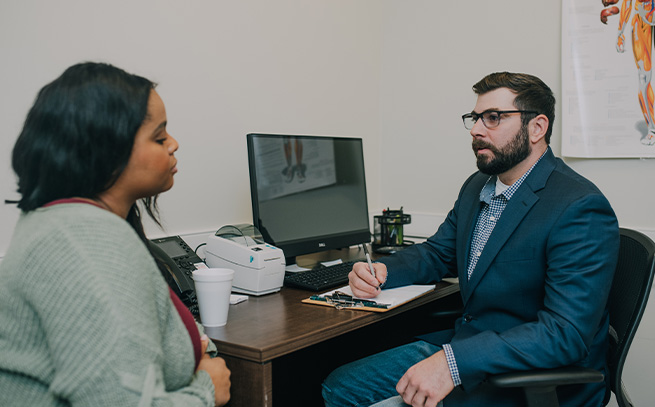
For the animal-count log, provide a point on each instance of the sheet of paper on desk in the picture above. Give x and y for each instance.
(392, 296)
(331, 263)
(235, 299)
(294, 268)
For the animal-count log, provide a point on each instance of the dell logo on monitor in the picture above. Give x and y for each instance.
(321, 244)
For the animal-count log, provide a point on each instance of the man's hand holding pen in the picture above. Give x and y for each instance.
(362, 282)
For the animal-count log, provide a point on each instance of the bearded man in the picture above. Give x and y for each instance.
(534, 245)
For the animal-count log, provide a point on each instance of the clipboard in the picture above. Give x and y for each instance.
(342, 298)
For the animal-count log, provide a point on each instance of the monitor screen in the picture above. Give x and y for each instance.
(308, 192)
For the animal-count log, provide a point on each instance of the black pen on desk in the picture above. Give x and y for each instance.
(368, 260)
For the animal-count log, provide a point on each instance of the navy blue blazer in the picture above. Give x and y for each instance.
(538, 295)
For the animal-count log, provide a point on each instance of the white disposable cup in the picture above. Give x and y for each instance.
(213, 288)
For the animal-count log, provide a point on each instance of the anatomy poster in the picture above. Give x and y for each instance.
(607, 95)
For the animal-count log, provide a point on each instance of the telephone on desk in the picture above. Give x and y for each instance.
(180, 261)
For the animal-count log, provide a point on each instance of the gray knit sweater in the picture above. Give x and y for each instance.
(86, 318)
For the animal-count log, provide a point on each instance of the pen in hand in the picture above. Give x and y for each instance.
(368, 260)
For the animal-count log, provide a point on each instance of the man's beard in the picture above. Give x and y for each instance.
(505, 158)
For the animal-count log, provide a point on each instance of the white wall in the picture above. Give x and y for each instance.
(397, 73)
(224, 68)
(433, 53)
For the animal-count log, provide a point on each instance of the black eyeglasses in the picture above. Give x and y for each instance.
(490, 118)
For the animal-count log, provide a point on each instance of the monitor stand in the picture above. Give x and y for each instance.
(310, 261)
(307, 262)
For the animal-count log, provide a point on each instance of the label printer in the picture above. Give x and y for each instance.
(258, 266)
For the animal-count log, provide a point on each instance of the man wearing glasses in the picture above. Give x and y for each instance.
(534, 245)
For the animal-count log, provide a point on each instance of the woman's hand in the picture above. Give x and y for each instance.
(218, 372)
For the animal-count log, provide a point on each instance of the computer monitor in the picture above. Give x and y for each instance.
(308, 192)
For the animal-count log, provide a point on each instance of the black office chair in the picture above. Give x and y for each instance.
(630, 289)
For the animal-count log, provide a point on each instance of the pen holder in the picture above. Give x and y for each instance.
(388, 230)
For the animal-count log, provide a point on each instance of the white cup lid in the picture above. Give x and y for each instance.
(213, 274)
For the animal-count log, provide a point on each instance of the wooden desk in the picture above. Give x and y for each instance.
(262, 331)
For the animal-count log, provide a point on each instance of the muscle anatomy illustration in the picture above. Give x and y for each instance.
(642, 45)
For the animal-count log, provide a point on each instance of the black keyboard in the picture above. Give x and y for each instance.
(321, 278)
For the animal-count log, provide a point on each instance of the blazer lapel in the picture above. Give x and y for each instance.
(517, 208)
(465, 235)
(512, 216)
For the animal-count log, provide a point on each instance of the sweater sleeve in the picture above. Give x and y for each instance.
(110, 332)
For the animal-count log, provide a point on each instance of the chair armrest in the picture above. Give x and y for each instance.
(547, 378)
(447, 313)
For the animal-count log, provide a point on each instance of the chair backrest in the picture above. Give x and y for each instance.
(627, 301)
